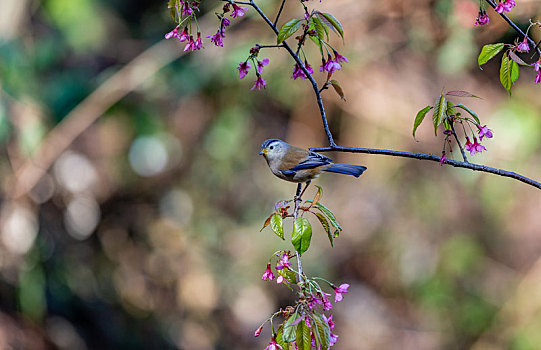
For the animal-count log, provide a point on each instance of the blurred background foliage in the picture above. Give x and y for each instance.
(143, 233)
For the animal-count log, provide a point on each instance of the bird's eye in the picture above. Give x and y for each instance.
(271, 147)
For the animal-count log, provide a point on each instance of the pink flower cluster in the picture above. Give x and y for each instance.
(523, 46)
(505, 6)
(245, 66)
(187, 12)
(299, 73)
(192, 44)
(476, 147)
(331, 65)
(220, 34)
(482, 18)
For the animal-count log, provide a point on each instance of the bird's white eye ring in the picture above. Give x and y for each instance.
(271, 147)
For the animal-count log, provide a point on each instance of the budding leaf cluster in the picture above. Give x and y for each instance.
(302, 229)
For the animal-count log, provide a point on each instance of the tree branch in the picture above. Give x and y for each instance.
(515, 27)
(423, 156)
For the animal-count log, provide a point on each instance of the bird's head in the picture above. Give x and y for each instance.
(273, 149)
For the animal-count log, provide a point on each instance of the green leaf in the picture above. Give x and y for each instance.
(505, 73)
(279, 339)
(323, 332)
(333, 22)
(302, 234)
(303, 339)
(488, 52)
(439, 112)
(472, 113)
(328, 213)
(451, 110)
(514, 71)
(277, 225)
(319, 25)
(288, 29)
(290, 328)
(316, 40)
(288, 274)
(326, 226)
(419, 118)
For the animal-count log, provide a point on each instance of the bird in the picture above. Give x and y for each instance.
(299, 165)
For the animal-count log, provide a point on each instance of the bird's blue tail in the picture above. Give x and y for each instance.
(348, 169)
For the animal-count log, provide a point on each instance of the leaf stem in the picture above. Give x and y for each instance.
(458, 142)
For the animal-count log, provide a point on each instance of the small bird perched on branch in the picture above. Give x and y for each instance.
(299, 165)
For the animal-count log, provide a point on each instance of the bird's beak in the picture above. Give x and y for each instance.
(263, 152)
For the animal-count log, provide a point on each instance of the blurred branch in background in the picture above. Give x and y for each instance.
(91, 108)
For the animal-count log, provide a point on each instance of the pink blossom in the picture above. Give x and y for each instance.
(333, 339)
(478, 147)
(299, 73)
(191, 45)
(183, 36)
(523, 46)
(339, 58)
(273, 345)
(538, 77)
(482, 18)
(217, 38)
(484, 131)
(536, 65)
(198, 43)
(326, 303)
(329, 65)
(509, 4)
(173, 33)
(284, 262)
(443, 159)
(338, 292)
(186, 10)
(225, 23)
(258, 331)
(469, 146)
(261, 64)
(474, 147)
(243, 69)
(268, 274)
(500, 7)
(280, 279)
(238, 11)
(329, 321)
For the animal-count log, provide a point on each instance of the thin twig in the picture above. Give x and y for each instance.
(279, 12)
(269, 46)
(303, 68)
(515, 27)
(295, 215)
(431, 157)
(458, 142)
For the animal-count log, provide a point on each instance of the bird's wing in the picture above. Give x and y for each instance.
(312, 160)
